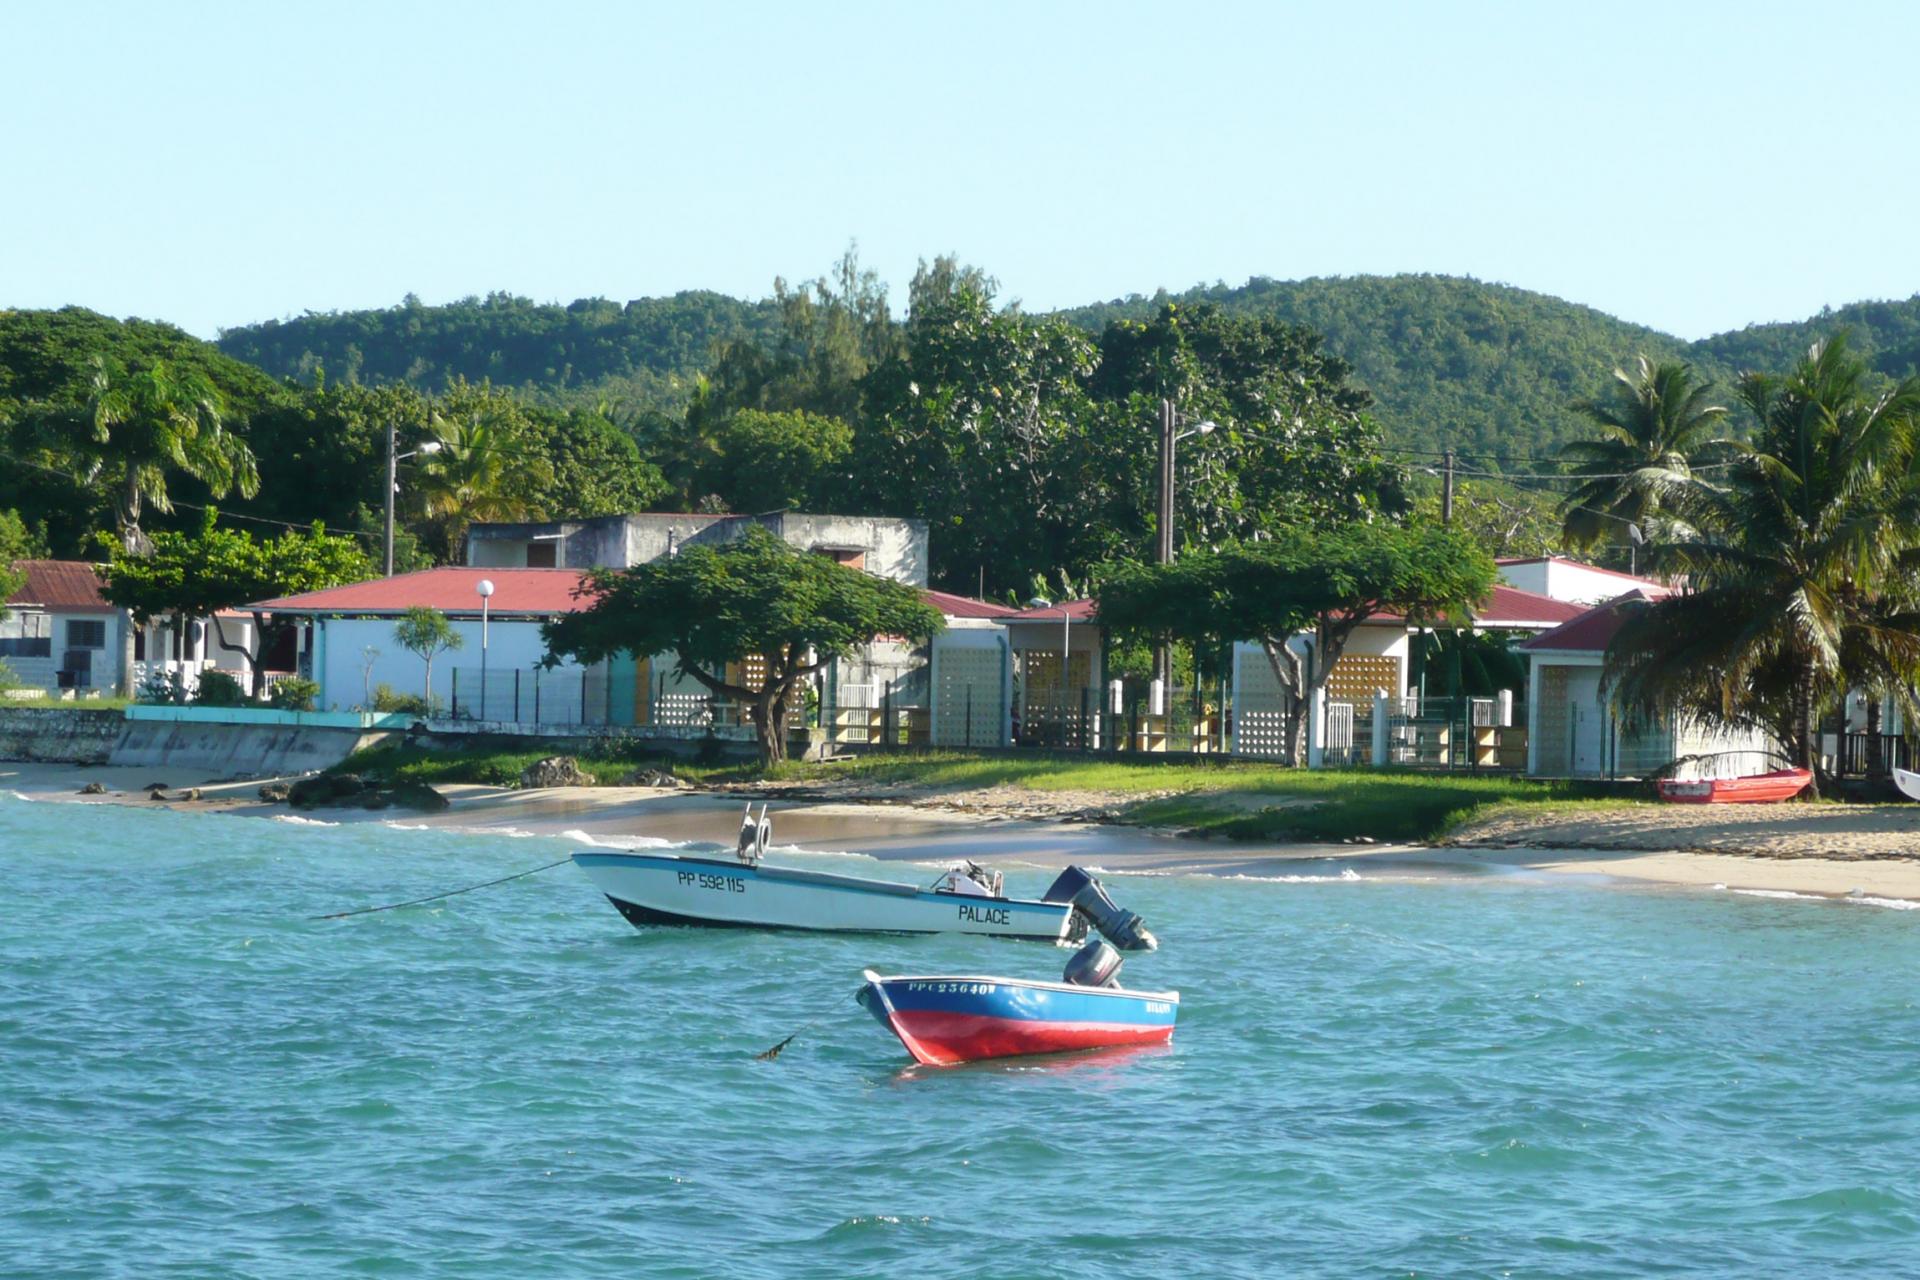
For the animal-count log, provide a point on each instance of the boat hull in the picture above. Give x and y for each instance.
(653, 889)
(1908, 782)
(945, 1020)
(1760, 788)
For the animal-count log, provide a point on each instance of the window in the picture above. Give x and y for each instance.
(542, 555)
(86, 633)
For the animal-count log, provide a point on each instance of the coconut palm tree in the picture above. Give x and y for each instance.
(1798, 565)
(1658, 426)
(476, 475)
(134, 429)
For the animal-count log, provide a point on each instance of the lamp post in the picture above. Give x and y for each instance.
(393, 481)
(485, 588)
(1170, 435)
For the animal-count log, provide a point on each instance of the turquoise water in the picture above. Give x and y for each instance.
(1482, 1077)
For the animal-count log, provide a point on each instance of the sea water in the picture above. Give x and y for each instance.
(1486, 1076)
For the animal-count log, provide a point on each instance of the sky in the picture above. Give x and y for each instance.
(1695, 167)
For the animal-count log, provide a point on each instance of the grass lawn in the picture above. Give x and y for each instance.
(67, 704)
(1238, 800)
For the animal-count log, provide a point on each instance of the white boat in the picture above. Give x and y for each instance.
(1908, 782)
(668, 888)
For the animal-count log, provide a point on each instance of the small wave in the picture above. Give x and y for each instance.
(1348, 876)
(1891, 904)
(295, 820)
(1777, 893)
(608, 842)
(406, 826)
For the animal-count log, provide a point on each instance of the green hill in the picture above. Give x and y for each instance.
(1486, 368)
(645, 352)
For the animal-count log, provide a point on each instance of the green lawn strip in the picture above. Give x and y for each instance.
(1238, 800)
(115, 705)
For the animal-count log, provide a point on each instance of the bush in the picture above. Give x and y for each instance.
(295, 693)
(218, 689)
(159, 688)
(8, 680)
(387, 698)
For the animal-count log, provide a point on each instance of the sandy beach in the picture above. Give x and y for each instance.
(1822, 850)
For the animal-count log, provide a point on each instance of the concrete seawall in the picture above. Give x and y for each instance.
(268, 744)
(58, 736)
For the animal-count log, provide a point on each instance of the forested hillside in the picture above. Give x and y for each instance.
(1486, 368)
(645, 353)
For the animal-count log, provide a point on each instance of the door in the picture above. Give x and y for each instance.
(1586, 722)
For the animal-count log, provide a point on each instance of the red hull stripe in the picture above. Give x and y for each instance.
(941, 1038)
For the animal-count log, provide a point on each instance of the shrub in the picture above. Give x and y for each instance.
(295, 693)
(160, 688)
(218, 689)
(387, 698)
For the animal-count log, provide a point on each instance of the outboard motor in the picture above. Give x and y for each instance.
(1123, 928)
(754, 836)
(1094, 965)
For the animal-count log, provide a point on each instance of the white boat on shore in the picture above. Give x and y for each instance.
(679, 889)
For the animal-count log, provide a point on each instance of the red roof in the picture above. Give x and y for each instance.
(60, 586)
(1507, 607)
(1076, 611)
(965, 606)
(1593, 630)
(528, 592)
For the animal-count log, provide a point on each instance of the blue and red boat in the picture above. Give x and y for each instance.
(947, 1019)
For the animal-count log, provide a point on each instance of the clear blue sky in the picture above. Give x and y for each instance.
(1695, 167)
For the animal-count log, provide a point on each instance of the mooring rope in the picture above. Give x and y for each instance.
(414, 902)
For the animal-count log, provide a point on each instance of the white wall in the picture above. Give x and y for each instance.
(1566, 580)
(339, 662)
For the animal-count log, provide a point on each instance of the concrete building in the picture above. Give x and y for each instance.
(881, 545)
(60, 633)
(1573, 732)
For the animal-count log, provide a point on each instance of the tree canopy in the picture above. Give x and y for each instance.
(214, 569)
(725, 610)
(1317, 581)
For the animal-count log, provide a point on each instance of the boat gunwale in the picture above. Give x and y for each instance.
(1172, 997)
(822, 879)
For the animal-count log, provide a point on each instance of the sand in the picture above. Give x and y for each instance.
(1820, 850)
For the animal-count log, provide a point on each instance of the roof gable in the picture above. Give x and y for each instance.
(60, 586)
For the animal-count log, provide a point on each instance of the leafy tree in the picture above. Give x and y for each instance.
(211, 570)
(1658, 427)
(723, 611)
(426, 633)
(1312, 581)
(17, 542)
(595, 468)
(777, 461)
(1798, 565)
(1502, 519)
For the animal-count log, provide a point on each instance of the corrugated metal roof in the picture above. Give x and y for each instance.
(60, 586)
(527, 592)
(1077, 611)
(966, 606)
(1593, 630)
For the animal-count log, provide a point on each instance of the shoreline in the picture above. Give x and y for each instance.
(1702, 849)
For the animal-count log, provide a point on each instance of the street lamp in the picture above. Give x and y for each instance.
(485, 588)
(393, 482)
(1170, 435)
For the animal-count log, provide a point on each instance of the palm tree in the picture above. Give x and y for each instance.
(1799, 566)
(476, 475)
(136, 428)
(1656, 429)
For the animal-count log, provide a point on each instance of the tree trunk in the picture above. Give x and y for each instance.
(250, 656)
(1876, 750)
(1287, 670)
(767, 729)
(1804, 740)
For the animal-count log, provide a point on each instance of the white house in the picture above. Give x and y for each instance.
(1572, 731)
(60, 633)
(1562, 579)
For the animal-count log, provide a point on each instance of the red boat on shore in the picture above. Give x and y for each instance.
(1758, 788)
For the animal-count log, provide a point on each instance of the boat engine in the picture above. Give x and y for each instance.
(1089, 897)
(1094, 965)
(754, 836)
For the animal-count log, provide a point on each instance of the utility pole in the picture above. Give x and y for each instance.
(1162, 658)
(393, 479)
(1446, 492)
